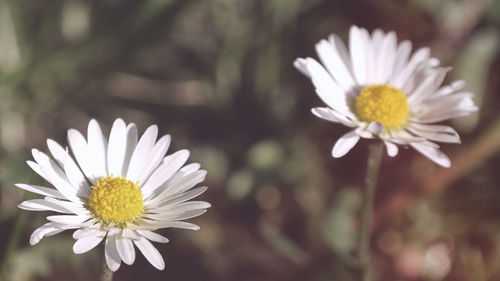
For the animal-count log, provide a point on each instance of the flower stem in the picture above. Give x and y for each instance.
(13, 242)
(107, 274)
(373, 165)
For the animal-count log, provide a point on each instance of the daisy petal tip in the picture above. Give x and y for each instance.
(391, 148)
(299, 61)
(119, 120)
(337, 154)
(114, 269)
(71, 132)
(443, 162)
(345, 144)
(34, 240)
(184, 153)
(77, 249)
(160, 266)
(301, 65)
(51, 142)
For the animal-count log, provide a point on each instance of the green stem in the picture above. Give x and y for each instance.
(107, 274)
(374, 159)
(13, 242)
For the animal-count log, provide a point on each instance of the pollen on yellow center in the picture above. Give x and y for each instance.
(116, 200)
(383, 104)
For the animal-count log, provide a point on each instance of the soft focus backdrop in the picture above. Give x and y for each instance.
(217, 75)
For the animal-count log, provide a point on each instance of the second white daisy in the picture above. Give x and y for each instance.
(381, 91)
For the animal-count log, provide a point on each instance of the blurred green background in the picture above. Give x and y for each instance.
(217, 75)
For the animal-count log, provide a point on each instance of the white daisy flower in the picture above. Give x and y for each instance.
(381, 91)
(119, 190)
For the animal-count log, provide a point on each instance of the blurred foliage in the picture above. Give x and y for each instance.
(217, 75)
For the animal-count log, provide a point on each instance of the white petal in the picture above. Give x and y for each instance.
(98, 149)
(117, 148)
(185, 206)
(179, 198)
(435, 128)
(190, 168)
(418, 57)
(35, 167)
(176, 215)
(177, 184)
(82, 232)
(432, 153)
(448, 89)
(385, 58)
(363, 132)
(153, 236)
(132, 136)
(333, 116)
(402, 55)
(73, 207)
(326, 88)
(125, 249)
(72, 171)
(68, 219)
(342, 52)
(153, 225)
(88, 242)
(334, 62)
(170, 165)
(435, 132)
(345, 144)
(326, 114)
(301, 65)
(55, 175)
(155, 157)
(42, 190)
(403, 137)
(436, 116)
(392, 149)
(437, 107)
(42, 205)
(79, 147)
(57, 151)
(129, 234)
(377, 40)
(427, 87)
(358, 54)
(141, 153)
(76, 178)
(45, 230)
(150, 253)
(370, 56)
(113, 259)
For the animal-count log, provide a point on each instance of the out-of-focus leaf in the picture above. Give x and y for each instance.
(339, 230)
(265, 155)
(240, 184)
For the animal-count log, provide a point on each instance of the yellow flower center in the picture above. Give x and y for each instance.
(116, 200)
(383, 104)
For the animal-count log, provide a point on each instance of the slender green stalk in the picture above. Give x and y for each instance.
(13, 240)
(107, 274)
(374, 158)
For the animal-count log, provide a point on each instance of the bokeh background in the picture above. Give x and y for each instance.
(217, 75)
